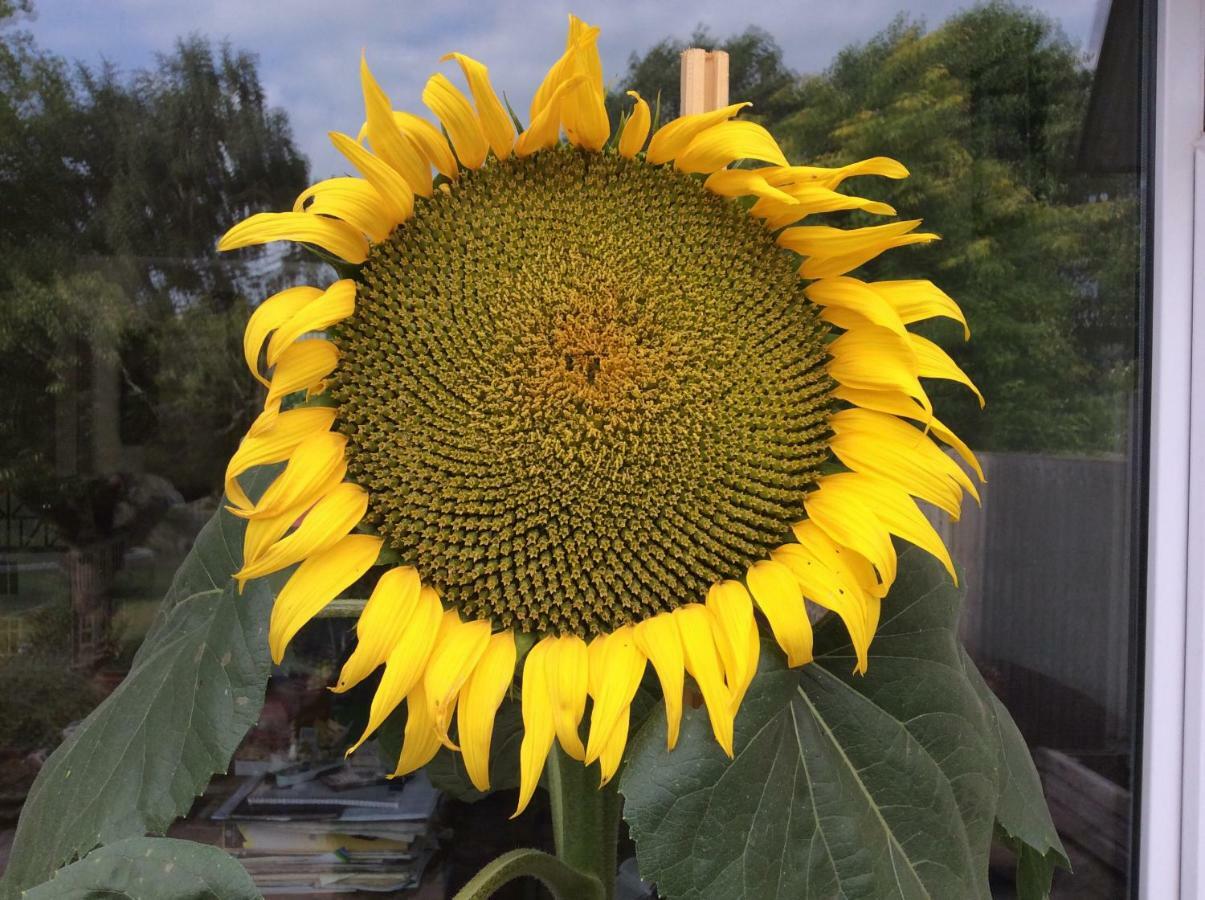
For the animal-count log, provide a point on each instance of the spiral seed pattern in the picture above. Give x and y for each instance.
(580, 389)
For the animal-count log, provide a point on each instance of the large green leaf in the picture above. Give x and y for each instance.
(137, 762)
(150, 869)
(883, 786)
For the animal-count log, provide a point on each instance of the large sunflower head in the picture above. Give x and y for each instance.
(601, 396)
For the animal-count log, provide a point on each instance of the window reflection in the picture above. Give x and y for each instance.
(120, 350)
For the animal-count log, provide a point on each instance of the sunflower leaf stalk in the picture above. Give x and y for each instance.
(585, 819)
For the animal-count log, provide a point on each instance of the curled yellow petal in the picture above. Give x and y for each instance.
(674, 137)
(835, 251)
(274, 444)
(735, 636)
(404, 666)
(778, 596)
(612, 753)
(495, 121)
(353, 200)
(453, 110)
(480, 698)
(917, 300)
(316, 583)
(381, 625)
(933, 362)
(459, 647)
(695, 626)
(538, 728)
(636, 128)
(727, 142)
(311, 466)
(659, 641)
(856, 526)
(335, 237)
(301, 366)
(877, 359)
(616, 672)
(334, 305)
(388, 143)
(329, 520)
(430, 142)
(545, 128)
(420, 743)
(854, 295)
(268, 317)
(397, 197)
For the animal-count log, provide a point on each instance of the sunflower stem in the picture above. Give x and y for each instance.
(565, 882)
(585, 819)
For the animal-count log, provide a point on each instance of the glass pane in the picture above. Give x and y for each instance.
(133, 135)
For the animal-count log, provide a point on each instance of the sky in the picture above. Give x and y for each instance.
(309, 50)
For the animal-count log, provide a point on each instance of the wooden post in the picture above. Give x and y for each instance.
(704, 85)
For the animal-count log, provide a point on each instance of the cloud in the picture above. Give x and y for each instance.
(309, 49)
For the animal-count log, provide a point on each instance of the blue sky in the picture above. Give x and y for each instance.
(309, 49)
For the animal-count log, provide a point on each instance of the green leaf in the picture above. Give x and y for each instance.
(150, 869)
(882, 786)
(195, 687)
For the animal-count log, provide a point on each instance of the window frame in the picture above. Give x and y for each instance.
(1171, 796)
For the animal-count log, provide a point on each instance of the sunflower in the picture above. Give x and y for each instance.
(590, 402)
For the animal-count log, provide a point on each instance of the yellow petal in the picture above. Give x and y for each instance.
(674, 137)
(807, 199)
(747, 183)
(658, 639)
(703, 663)
(584, 115)
(831, 178)
(735, 636)
(856, 296)
(387, 141)
(877, 359)
(457, 116)
(335, 237)
(274, 444)
(898, 404)
(830, 588)
(544, 129)
(352, 200)
(495, 121)
(456, 653)
(879, 444)
(381, 625)
(778, 597)
(310, 467)
(856, 526)
(612, 754)
(834, 251)
(727, 142)
(636, 128)
(404, 666)
(894, 508)
(269, 316)
(316, 583)
(420, 743)
(568, 666)
(933, 362)
(397, 197)
(330, 519)
(569, 67)
(430, 142)
(917, 300)
(616, 672)
(301, 366)
(480, 698)
(538, 727)
(336, 304)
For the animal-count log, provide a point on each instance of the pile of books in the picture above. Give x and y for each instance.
(328, 829)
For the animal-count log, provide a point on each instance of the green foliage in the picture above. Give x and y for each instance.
(986, 110)
(145, 868)
(137, 762)
(887, 785)
(116, 188)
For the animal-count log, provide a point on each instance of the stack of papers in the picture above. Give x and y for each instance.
(316, 835)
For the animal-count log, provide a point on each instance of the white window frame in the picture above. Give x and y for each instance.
(1171, 847)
